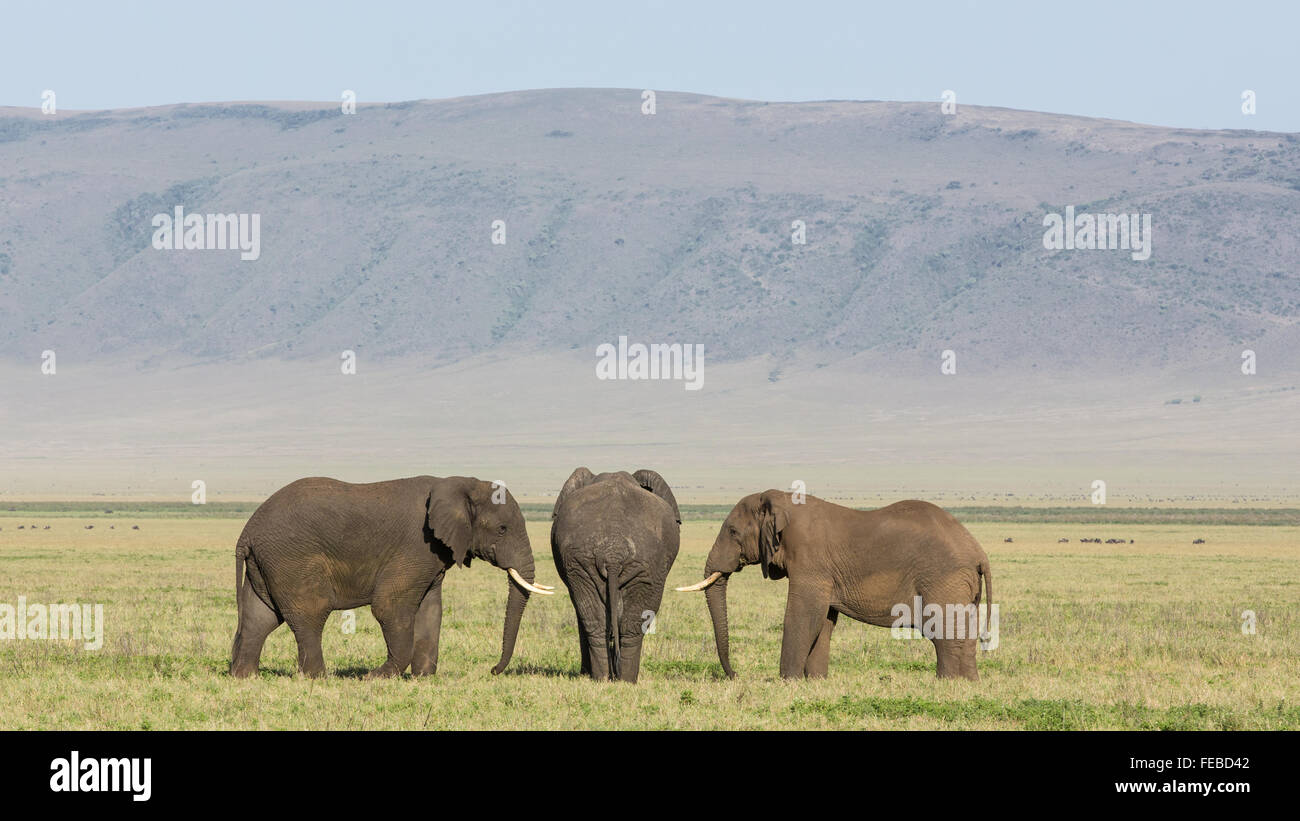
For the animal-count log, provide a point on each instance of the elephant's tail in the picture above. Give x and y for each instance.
(614, 607)
(986, 570)
(241, 553)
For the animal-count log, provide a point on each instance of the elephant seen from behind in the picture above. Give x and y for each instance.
(614, 537)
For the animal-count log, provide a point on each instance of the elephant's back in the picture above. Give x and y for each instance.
(615, 515)
(933, 528)
(323, 490)
(614, 500)
(321, 508)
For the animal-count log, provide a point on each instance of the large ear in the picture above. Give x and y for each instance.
(773, 516)
(449, 515)
(581, 477)
(655, 483)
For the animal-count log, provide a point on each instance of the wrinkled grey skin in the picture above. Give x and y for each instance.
(319, 545)
(857, 562)
(614, 538)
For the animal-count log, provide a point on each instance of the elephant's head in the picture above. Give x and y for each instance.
(477, 519)
(751, 534)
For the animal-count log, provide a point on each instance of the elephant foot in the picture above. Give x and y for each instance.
(967, 676)
(385, 670)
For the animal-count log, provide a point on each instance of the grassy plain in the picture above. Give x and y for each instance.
(1092, 636)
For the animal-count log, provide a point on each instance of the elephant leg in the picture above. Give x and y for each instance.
(589, 604)
(966, 657)
(586, 650)
(256, 621)
(598, 652)
(958, 640)
(641, 600)
(428, 626)
(819, 659)
(570, 579)
(955, 658)
(583, 646)
(307, 628)
(805, 615)
(397, 620)
(630, 654)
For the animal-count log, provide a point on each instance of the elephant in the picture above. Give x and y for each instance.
(318, 545)
(614, 538)
(864, 564)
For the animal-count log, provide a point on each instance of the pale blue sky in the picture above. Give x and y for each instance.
(1168, 63)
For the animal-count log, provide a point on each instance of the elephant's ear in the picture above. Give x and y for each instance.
(655, 483)
(580, 477)
(773, 516)
(449, 516)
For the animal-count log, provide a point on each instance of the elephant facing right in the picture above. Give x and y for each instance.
(614, 539)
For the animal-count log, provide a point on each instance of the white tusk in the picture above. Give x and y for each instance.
(543, 586)
(525, 584)
(717, 574)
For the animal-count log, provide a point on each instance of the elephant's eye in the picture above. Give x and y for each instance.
(501, 530)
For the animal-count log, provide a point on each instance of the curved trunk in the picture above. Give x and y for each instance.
(514, 613)
(716, 596)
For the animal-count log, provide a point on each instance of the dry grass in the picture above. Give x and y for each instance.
(1146, 635)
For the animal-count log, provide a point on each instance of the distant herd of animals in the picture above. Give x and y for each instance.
(87, 527)
(1097, 541)
(319, 545)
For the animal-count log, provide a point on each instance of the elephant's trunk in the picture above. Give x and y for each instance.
(514, 614)
(716, 596)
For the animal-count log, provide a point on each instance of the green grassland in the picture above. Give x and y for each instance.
(1092, 636)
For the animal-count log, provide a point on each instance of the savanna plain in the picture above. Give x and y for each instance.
(1142, 635)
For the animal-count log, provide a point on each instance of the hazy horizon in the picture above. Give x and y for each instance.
(331, 105)
(1016, 55)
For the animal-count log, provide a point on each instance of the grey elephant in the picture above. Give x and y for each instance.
(903, 565)
(318, 545)
(614, 538)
